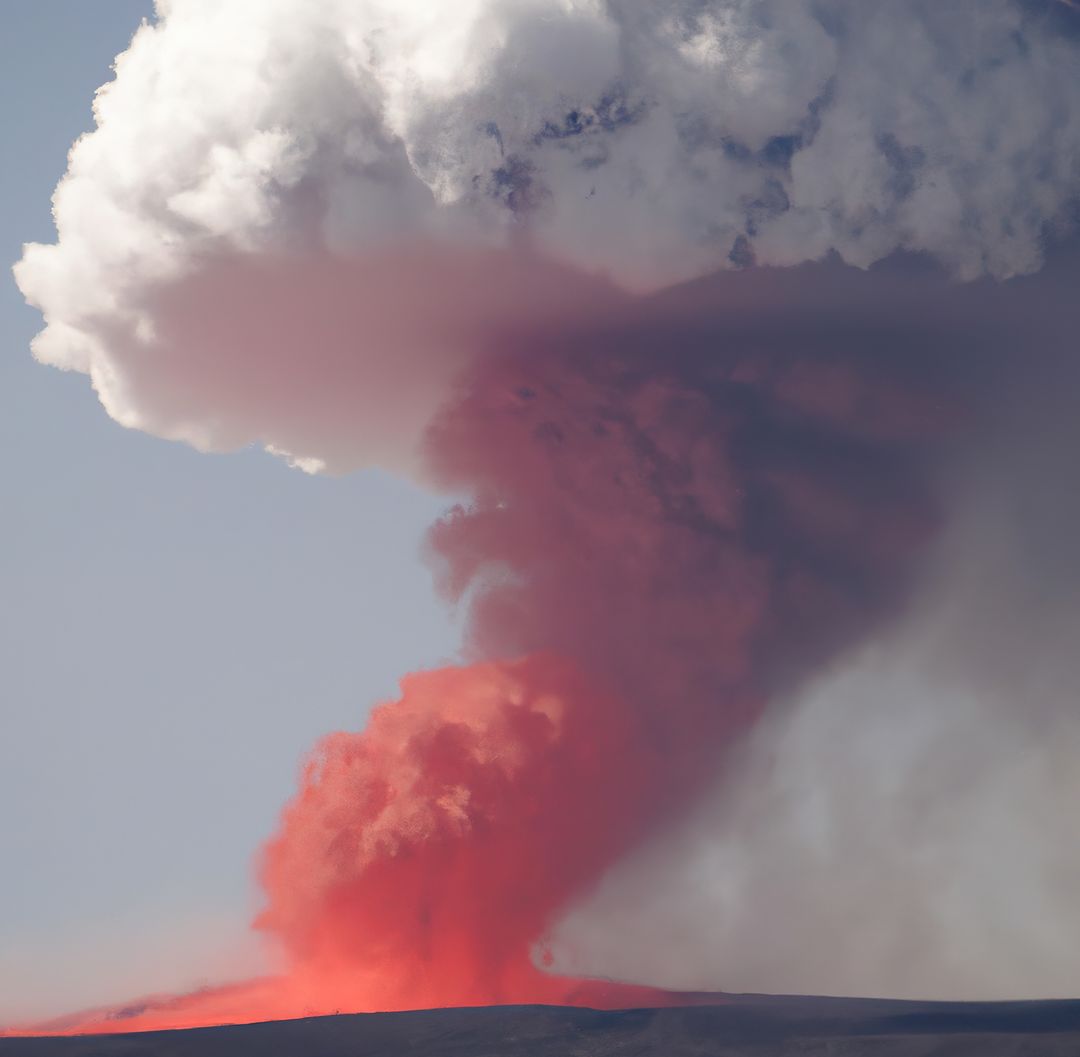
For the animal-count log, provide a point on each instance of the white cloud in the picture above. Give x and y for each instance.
(638, 140)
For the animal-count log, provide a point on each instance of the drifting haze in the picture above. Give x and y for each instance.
(902, 825)
(905, 826)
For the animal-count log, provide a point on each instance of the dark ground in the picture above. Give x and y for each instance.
(754, 1026)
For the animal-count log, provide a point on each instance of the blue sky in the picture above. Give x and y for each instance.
(177, 628)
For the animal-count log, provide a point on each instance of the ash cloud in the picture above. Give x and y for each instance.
(901, 824)
(641, 143)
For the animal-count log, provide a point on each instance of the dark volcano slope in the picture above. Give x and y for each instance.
(743, 1025)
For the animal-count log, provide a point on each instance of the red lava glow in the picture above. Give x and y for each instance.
(307, 993)
(424, 858)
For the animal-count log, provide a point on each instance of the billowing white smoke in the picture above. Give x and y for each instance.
(399, 171)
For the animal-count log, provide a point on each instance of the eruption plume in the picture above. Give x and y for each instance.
(396, 234)
(685, 530)
(658, 541)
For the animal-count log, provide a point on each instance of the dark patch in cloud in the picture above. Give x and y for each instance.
(611, 112)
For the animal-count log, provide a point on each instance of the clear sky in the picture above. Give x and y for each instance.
(177, 629)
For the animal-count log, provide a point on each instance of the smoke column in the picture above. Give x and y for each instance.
(391, 234)
(660, 541)
(902, 824)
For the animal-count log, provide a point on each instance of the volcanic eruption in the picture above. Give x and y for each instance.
(434, 241)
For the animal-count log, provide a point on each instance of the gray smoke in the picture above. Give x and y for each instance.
(906, 826)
